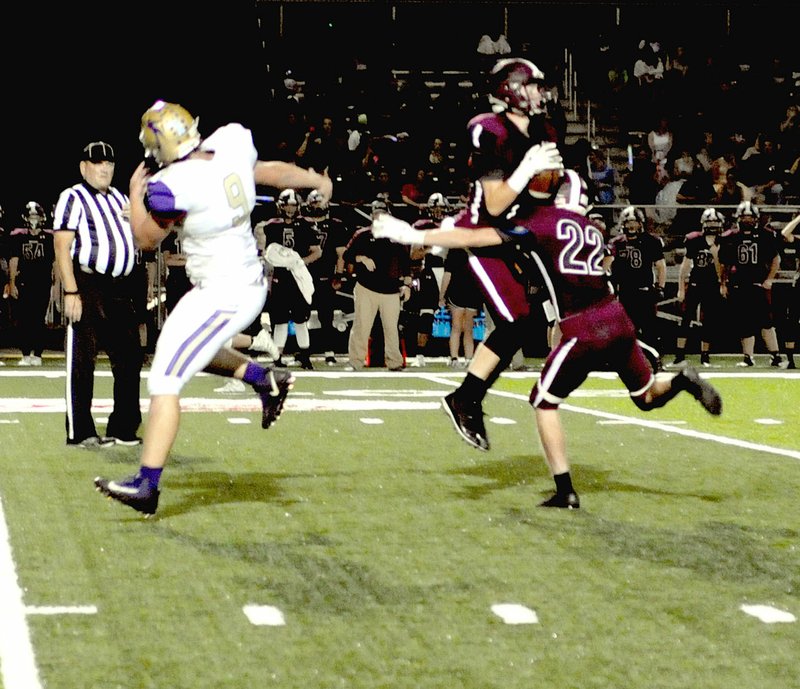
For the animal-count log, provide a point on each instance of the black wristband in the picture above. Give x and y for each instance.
(69, 294)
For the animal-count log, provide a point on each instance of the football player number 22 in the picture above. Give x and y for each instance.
(583, 253)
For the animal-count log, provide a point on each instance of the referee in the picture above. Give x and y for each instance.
(96, 257)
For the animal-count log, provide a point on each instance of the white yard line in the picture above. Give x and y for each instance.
(17, 661)
(657, 425)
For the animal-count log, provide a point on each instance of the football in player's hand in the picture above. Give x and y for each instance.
(545, 183)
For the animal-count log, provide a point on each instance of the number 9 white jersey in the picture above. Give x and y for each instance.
(217, 196)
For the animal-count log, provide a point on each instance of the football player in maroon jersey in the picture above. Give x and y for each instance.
(510, 146)
(559, 246)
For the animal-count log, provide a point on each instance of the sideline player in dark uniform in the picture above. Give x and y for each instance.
(417, 314)
(286, 302)
(31, 280)
(698, 285)
(636, 253)
(750, 261)
(509, 146)
(792, 313)
(332, 238)
(562, 248)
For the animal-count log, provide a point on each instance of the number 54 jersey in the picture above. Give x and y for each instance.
(563, 250)
(211, 201)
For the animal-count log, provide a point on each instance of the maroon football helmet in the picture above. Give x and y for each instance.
(509, 81)
(573, 193)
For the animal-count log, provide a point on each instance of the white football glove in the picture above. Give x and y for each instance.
(544, 156)
(386, 226)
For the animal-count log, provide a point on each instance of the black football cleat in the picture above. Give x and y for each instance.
(705, 393)
(273, 392)
(93, 442)
(566, 501)
(133, 491)
(467, 418)
(304, 359)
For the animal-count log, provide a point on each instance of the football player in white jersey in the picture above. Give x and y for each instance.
(205, 191)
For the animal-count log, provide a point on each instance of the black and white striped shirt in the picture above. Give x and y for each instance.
(103, 238)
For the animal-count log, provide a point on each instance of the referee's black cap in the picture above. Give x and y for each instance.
(97, 152)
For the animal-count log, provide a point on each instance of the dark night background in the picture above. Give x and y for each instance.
(78, 72)
(75, 75)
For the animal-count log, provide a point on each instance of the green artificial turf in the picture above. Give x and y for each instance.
(385, 541)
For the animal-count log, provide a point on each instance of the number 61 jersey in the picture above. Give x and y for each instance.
(565, 251)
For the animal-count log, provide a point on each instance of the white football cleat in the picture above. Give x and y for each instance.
(263, 342)
(233, 385)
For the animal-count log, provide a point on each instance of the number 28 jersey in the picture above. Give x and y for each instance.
(565, 251)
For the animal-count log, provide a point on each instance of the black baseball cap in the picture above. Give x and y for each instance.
(97, 152)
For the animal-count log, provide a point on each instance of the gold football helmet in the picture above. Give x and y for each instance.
(168, 132)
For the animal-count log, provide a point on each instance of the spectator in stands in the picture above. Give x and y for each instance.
(415, 192)
(732, 192)
(753, 149)
(708, 150)
(649, 66)
(642, 179)
(292, 90)
(763, 170)
(288, 134)
(386, 188)
(697, 188)
(677, 66)
(792, 182)
(677, 84)
(324, 149)
(720, 166)
(437, 162)
(660, 140)
(789, 131)
(648, 72)
(602, 176)
(683, 165)
(555, 111)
